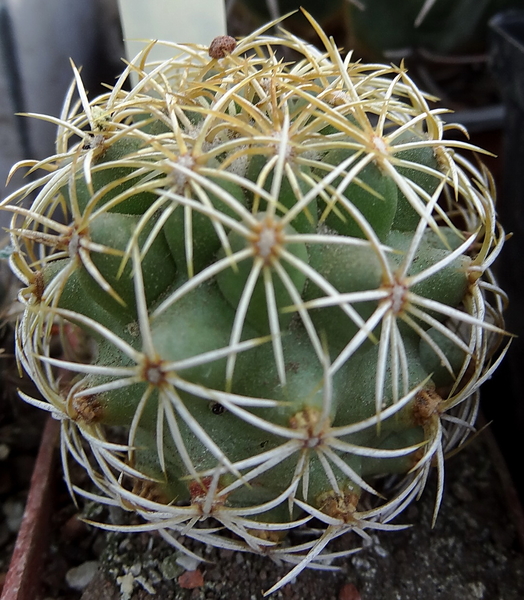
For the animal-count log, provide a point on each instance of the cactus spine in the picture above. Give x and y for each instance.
(284, 272)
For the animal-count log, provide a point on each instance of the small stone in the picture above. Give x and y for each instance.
(125, 545)
(377, 548)
(127, 584)
(478, 590)
(191, 580)
(170, 568)
(380, 551)
(153, 575)
(146, 584)
(360, 563)
(349, 592)
(79, 577)
(189, 563)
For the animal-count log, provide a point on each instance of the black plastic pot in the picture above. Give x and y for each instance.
(507, 399)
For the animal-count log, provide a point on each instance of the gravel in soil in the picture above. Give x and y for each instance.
(472, 553)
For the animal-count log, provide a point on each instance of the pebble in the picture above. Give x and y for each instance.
(189, 563)
(153, 575)
(146, 585)
(127, 584)
(191, 580)
(380, 551)
(478, 590)
(125, 545)
(169, 567)
(377, 548)
(79, 577)
(361, 563)
(349, 592)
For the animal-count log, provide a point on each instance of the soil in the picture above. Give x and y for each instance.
(474, 552)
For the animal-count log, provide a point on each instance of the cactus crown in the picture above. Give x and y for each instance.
(272, 279)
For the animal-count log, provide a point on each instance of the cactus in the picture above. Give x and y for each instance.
(440, 27)
(283, 275)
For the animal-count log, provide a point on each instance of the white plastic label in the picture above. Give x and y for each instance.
(183, 21)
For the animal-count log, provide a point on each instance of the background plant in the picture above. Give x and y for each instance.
(378, 28)
(444, 44)
(273, 285)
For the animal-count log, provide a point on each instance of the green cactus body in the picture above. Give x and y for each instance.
(283, 304)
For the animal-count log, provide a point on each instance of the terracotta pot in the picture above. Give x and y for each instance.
(23, 578)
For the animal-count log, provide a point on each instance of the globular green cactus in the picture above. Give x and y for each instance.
(283, 270)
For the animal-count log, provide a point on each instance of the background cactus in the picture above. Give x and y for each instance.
(284, 275)
(444, 43)
(441, 27)
(378, 28)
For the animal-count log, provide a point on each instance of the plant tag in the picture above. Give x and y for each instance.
(196, 21)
